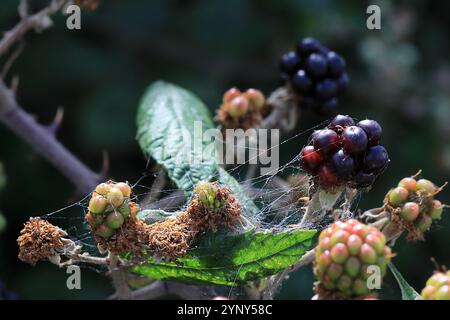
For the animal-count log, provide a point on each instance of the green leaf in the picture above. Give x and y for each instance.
(171, 122)
(408, 292)
(233, 259)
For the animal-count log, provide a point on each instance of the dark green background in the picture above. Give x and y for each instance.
(400, 77)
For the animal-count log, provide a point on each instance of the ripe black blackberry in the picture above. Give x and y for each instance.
(315, 74)
(345, 153)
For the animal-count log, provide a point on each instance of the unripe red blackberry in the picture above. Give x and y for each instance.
(231, 94)
(345, 251)
(242, 110)
(437, 287)
(410, 211)
(256, 98)
(340, 154)
(238, 107)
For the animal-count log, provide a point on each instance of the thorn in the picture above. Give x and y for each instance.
(104, 173)
(54, 126)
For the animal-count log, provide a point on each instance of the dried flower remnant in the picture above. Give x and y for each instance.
(39, 240)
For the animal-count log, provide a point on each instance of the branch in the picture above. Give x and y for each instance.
(44, 143)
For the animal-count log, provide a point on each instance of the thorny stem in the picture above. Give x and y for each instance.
(44, 143)
(36, 21)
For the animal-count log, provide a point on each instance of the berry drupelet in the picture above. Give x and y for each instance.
(345, 152)
(315, 74)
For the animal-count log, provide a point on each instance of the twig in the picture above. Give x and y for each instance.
(38, 21)
(118, 276)
(43, 142)
(275, 281)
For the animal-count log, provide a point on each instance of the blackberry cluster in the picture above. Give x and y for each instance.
(413, 202)
(316, 74)
(345, 251)
(109, 207)
(345, 152)
(437, 287)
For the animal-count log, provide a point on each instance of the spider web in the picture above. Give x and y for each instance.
(274, 197)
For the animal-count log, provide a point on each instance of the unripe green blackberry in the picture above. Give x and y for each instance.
(114, 220)
(97, 204)
(109, 206)
(413, 206)
(115, 197)
(104, 231)
(410, 211)
(125, 210)
(345, 251)
(103, 188)
(436, 210)
(425, 187)
(398, 196)
(437, 287)
(125, 188)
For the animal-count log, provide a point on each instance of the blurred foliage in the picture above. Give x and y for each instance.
(400, 77)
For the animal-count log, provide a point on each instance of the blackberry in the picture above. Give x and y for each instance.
(326, 89)
(372, 129)
(343, 164)
(341, 121)
(315, 74)
(336, 64)
(376, 159)
(301, 82)
(316, 65)
(289, 62)
(354, 140)
(340, 154)
(326, 141)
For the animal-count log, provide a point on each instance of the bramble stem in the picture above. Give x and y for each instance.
(44, 142)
